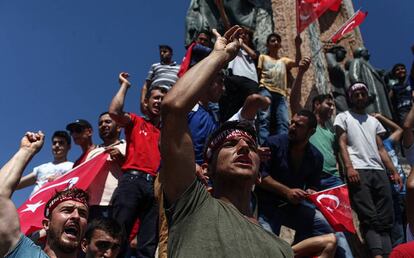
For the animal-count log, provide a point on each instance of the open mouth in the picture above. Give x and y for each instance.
(245, 160)
(72, 231)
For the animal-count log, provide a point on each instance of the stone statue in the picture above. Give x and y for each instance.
(361, 70)
(252, 14)
(337, 76)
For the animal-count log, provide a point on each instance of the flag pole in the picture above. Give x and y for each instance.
(340, 28)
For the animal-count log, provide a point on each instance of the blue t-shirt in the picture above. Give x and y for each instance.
(27, 249)
(198, 53)
(201, 122)
(279, 167)
(389, 147)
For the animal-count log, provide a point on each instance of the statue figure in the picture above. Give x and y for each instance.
(361, 70)
(337, 76)
(208, 14)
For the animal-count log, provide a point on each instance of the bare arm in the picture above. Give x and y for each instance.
(296, 92)
(298, 56)
(223, 15)
(408, 136)
(388, 162)
(27, 180)
(144, 91)
(350, 172)
(293, 195)
(249, 51)
(10, 175)
(178, 170)
(395, 129)
(117, 105)
(252, 104)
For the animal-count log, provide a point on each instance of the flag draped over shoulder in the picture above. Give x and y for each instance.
(334, 205)
(307, 11)
(185, 64)
(31, 212)
(349, 25)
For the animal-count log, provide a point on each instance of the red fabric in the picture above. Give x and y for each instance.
(335, 6)
(134, 230)
(142, 151)
(31, 212)
(403, 251)
(307, 11)
(334, 205)
(185, 64)
(349, 25)
(82, 158)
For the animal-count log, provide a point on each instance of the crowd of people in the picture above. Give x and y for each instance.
(218, 164)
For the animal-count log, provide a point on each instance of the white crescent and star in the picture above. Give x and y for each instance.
(33, 207)
(330, 197)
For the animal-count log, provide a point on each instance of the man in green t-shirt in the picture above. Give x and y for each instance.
(325, 141)
(220, 224)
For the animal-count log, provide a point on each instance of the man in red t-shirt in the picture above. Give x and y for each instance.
(134, 197)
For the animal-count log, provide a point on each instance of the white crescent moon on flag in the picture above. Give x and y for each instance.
(346, 27)
(330, 197)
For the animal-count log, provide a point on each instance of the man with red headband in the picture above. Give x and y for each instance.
(221, 224)
(65, 213)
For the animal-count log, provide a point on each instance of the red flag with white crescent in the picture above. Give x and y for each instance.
(334, 205)
(307, 11)
(349, 25)
(31, 212)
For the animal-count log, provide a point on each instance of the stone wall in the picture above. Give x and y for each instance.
(316, 79)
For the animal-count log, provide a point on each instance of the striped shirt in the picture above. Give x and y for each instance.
(164, 75)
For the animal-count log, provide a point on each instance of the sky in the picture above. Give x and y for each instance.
(60, 59)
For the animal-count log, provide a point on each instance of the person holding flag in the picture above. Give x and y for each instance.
(65, 213)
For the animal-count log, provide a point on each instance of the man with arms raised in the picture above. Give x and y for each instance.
(65, 213)
(220, 225)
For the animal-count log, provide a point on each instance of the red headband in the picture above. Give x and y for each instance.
(56, 202)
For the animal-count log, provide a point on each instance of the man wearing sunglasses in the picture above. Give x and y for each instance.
(102, 238)
(81, 132)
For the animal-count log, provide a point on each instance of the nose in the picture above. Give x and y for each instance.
(243, 146)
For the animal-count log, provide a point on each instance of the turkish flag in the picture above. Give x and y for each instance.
(335, 6)
(334, 205)
(31, 212)
(349, 25)
(185, 64)
(307, 11)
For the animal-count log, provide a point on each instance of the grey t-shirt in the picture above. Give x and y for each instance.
(202, 226)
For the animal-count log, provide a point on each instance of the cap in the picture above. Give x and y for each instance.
(78, 123)
(355, 87)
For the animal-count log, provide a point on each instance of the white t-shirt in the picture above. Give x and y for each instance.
(48, 170)
(243, 65)
(361, 136)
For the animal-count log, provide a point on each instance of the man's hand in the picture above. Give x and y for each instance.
(123, 79)
(296, 195)
(202, 175)
(229, 43)
(115, 155)
(304, 64)
(395, 177)
(264, 153)
(353, 175)
(32, 142)
(310, 191)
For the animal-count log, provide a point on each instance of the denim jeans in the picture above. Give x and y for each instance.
(306, 220)
(275, 119)
(134, 198)
(329, 181)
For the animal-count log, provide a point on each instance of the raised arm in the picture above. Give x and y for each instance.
(296, 92)
(144, 91)
(178, 170)
(223, 15)
(10, 175)
(116, 108)
(396, 131)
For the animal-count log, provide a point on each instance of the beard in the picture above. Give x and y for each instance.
(56, 242)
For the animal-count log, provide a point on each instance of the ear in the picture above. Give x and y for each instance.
(146, 103)
(45, 223)
(90, 131)
(84, 245)
(204, 166)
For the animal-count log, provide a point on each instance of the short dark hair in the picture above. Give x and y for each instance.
(62, 134)
(207, 32)
(277, 36)
(103, 113)
(108, 225)
(396, 66)
(68, 194)
(160, 88)
(312, 122)
(320, 98)
(165, 47)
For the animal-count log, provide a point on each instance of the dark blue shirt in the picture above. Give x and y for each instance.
(280, 168)
(199, 53)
